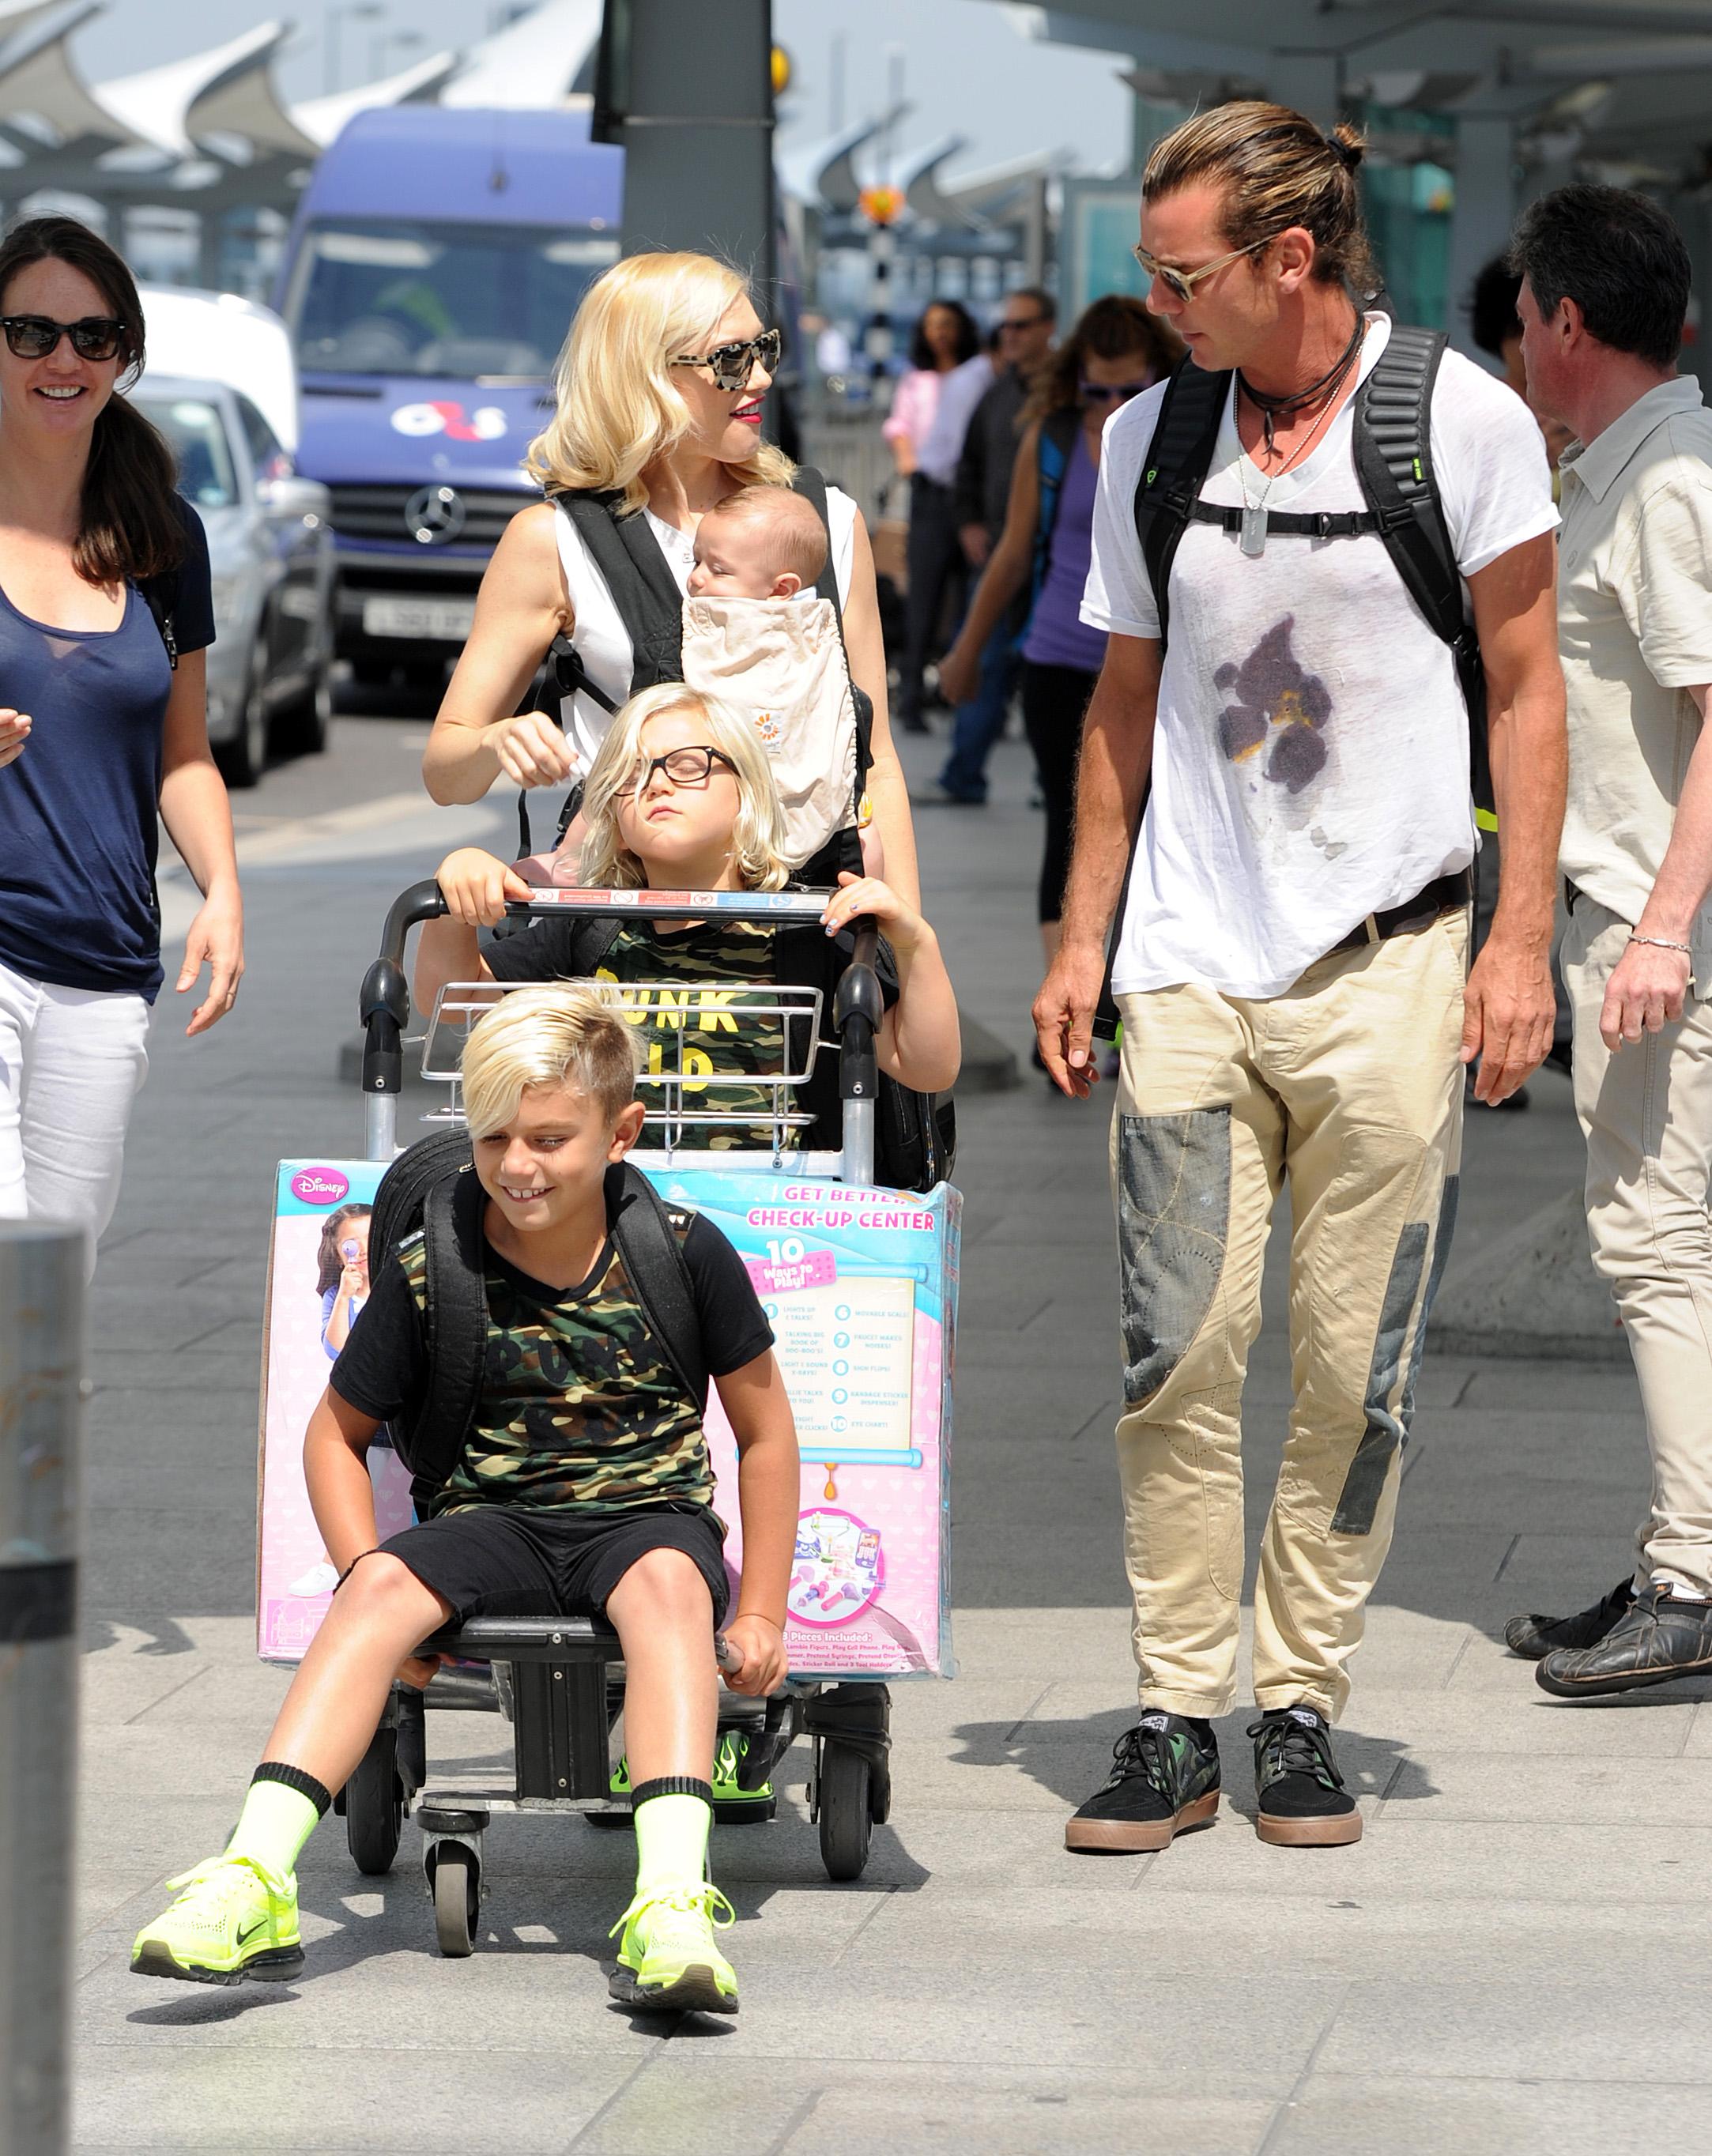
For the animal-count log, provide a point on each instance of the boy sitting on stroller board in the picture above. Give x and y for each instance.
(584, 1487)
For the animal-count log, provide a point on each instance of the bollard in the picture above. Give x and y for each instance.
(41, 1400)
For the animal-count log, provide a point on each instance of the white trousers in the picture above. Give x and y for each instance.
(71, 1061)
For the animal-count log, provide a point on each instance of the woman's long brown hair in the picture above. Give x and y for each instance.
(1109, 328)
(130, 526)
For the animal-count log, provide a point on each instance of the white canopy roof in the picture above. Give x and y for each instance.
(227, 90)
(532, 62)
(40, 87)
(323, 117)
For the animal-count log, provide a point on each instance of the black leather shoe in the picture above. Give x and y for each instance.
(1535, 1637)
(1656, 1639)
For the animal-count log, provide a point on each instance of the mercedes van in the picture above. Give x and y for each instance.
(432, 270)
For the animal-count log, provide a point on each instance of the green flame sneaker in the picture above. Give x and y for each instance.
(667, 1960)
(231, 1920)
(733, 1805)
(1165, 1780)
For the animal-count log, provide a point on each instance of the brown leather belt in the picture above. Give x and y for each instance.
(1437, 897)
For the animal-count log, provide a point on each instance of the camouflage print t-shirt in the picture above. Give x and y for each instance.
(580, 1409)
(700, 1025)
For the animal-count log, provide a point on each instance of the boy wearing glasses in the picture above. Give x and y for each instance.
(1291, 960)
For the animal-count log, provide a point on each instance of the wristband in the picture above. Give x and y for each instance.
(1661, 943)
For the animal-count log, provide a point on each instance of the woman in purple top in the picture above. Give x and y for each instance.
(1116, 350)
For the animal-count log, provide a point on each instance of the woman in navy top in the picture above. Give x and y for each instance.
(104, 614)
(1116, 350)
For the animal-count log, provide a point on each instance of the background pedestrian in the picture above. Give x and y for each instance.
(946, 337)
(104, 735)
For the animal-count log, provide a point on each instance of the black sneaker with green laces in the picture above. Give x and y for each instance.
(1165, 1780)
(1304, 1804)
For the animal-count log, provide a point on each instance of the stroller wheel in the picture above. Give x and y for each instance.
(844, 1797)
(457, 1899)
(374, 1804)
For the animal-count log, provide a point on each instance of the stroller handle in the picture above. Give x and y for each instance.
(857, 1008)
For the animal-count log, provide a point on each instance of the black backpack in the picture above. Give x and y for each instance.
(915, 1137)
(1393, 453)
(650, 606)
(432, 1185)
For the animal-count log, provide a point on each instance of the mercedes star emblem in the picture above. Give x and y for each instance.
(435, 515)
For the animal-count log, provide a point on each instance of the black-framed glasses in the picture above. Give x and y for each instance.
(732, 364)
(1111, 393)
(683, 767)
(1180, 284)
(34, 337)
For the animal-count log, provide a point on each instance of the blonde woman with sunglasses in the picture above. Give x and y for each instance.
(660, 390)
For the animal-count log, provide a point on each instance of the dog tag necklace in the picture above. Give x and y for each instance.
(1252, 540)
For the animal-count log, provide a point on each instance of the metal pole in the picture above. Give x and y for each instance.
(41, 1413)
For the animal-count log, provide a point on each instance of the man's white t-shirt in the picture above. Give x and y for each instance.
(598, 634)
(1310, 762)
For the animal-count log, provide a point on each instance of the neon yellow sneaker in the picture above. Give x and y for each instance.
(231, 1920)
(667, 1959)
(733, 1805)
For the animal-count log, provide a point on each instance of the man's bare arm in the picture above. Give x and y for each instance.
(1509, 1001)
(1116, 754)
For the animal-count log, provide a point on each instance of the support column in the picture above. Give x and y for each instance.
(1309, 82)
(689, 90)
(1484, 211)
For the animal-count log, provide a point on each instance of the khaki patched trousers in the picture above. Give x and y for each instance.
(1648, 1114)
(1350, 1084)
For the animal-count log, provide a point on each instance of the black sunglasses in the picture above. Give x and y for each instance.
(683, 767)
(1021, 322)
(732, 364)
(34, 337)
(1110, 392)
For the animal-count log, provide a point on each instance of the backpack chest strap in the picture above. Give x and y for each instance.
(1296, 524)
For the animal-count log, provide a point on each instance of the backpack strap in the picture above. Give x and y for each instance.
(645, 1228)
(811, 485)
(1393, 445)
(1053, 448)
(1178, 460)
(456, 1290)
(643, 588)
(567, 676)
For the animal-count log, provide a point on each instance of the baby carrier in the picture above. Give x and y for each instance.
(785, 665)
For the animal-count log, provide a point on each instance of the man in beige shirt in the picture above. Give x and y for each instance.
(1605, 289)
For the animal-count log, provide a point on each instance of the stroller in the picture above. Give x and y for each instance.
(862, 1289)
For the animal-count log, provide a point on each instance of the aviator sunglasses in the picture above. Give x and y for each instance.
(34, 337)
(1110, 392)
(732, 364)
(1180, 284)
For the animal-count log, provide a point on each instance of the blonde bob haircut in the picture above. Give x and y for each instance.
(571, 1034)
(758, 840)
(619, 410)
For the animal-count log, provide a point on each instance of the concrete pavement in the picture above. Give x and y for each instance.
(1505, 1964)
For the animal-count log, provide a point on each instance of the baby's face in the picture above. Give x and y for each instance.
(736, 560)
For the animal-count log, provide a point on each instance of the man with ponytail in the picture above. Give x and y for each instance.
(1292, 583)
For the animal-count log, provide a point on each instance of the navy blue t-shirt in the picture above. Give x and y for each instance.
(78, 809)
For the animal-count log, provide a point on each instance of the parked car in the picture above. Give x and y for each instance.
(221, 335)
(270, 548)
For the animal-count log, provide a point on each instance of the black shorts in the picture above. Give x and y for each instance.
(508, 1561)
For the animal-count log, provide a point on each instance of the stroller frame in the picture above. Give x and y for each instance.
(559, 1681)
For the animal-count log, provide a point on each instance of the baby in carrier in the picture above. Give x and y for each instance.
(758, 638)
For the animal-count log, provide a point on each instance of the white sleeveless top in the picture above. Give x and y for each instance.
(600, 639)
